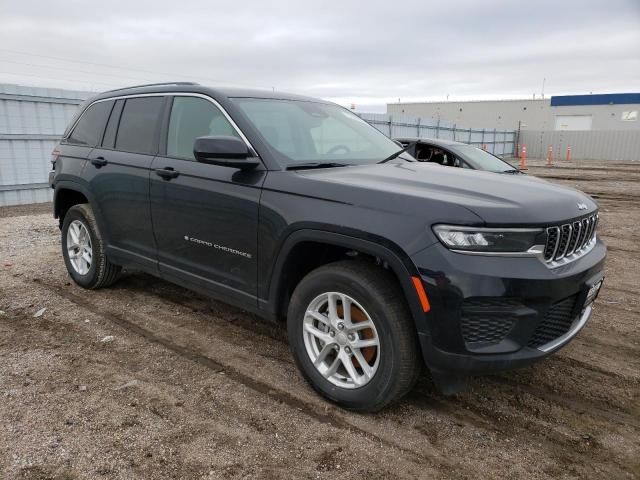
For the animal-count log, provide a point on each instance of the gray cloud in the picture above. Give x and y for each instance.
(362, 52)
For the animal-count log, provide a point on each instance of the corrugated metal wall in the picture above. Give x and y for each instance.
(585, 145)
(498, 142)
(31, 121)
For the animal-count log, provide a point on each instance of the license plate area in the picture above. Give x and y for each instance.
(592, 293)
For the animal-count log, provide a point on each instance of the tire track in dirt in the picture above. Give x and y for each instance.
(190, 302)
(514, 422)
(333, 419)
(451, 407)
(571, 402)
(622, 290)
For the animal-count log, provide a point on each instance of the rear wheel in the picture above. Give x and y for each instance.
(352, 335)
(83, 249)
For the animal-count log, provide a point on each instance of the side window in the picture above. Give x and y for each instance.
(136, 132)
(109, 139)
(90, 127)
(193, 117)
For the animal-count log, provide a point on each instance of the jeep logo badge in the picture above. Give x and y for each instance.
(582, 206)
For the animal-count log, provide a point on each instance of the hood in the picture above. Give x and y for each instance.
(498, 199)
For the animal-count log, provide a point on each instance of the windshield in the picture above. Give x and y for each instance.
(482, 160)
(302, 132)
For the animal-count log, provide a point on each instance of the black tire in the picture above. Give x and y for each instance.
(379, 293)
(102, 272)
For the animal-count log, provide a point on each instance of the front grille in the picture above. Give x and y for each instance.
(487, 320)
(570, 240)
(555, 323)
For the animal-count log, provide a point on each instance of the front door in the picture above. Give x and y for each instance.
(205, 217)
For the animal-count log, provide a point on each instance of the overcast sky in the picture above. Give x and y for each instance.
(366, 52)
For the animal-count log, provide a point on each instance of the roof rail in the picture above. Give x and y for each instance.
(152, 85)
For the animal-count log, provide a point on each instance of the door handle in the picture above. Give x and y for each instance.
(167, 173)
(98, 162)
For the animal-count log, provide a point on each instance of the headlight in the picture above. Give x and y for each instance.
(490, 240)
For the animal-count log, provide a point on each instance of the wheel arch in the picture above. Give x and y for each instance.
(388, 253)
(69, 193)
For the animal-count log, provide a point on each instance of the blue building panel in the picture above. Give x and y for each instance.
(598, 99)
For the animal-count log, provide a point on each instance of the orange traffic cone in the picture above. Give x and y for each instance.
(523, 158)
(550, 156)
(569, 153)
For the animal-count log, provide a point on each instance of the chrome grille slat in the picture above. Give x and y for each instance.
(573, 240)
(584, 238)
(553, 239)
(564, 240)
(570, 241)
(592, 226)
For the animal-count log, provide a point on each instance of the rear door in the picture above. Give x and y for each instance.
(85, 135)
(205, 217)
(118, 174)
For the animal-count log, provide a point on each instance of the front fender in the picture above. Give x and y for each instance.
(387, 251)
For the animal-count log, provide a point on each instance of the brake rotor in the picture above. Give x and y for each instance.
(358, 316)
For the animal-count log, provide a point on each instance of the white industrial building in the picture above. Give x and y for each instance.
(615, 111)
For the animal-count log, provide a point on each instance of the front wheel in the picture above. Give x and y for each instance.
(352, 336)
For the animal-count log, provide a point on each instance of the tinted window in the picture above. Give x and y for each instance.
(136, 132)
(193, 117)
(90, 127)
(109, 139)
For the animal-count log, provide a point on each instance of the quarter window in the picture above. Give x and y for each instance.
(109, 138)
(136, 132)
(193, 117)
(91, 125)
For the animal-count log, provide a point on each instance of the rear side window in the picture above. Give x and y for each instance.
(136, 132)
(90, 127)
(193, 117)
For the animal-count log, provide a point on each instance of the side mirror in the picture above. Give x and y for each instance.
(225, 151)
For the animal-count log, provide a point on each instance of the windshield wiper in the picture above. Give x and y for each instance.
(310, 165)
(512, 171)
(398, 153)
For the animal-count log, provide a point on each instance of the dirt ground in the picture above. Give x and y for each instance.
(148, 380)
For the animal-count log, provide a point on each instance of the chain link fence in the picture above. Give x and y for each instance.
(498, 142)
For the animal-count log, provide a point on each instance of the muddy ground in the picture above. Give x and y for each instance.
(191, 388)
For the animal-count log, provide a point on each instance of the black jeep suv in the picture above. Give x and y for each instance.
(295, 209)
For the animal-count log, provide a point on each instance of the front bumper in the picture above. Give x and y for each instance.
(496, 313)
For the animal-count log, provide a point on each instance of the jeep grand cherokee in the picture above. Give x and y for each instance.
(297, 210)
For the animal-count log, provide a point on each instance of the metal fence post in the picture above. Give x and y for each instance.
(469, 136)
(493, 150)
(438, 128)
(454, 132)
(418, 127)
(390, 126)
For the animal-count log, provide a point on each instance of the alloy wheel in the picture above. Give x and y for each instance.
(79, 247)
(341, 340)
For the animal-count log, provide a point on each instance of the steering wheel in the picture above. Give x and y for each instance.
(337, 148)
